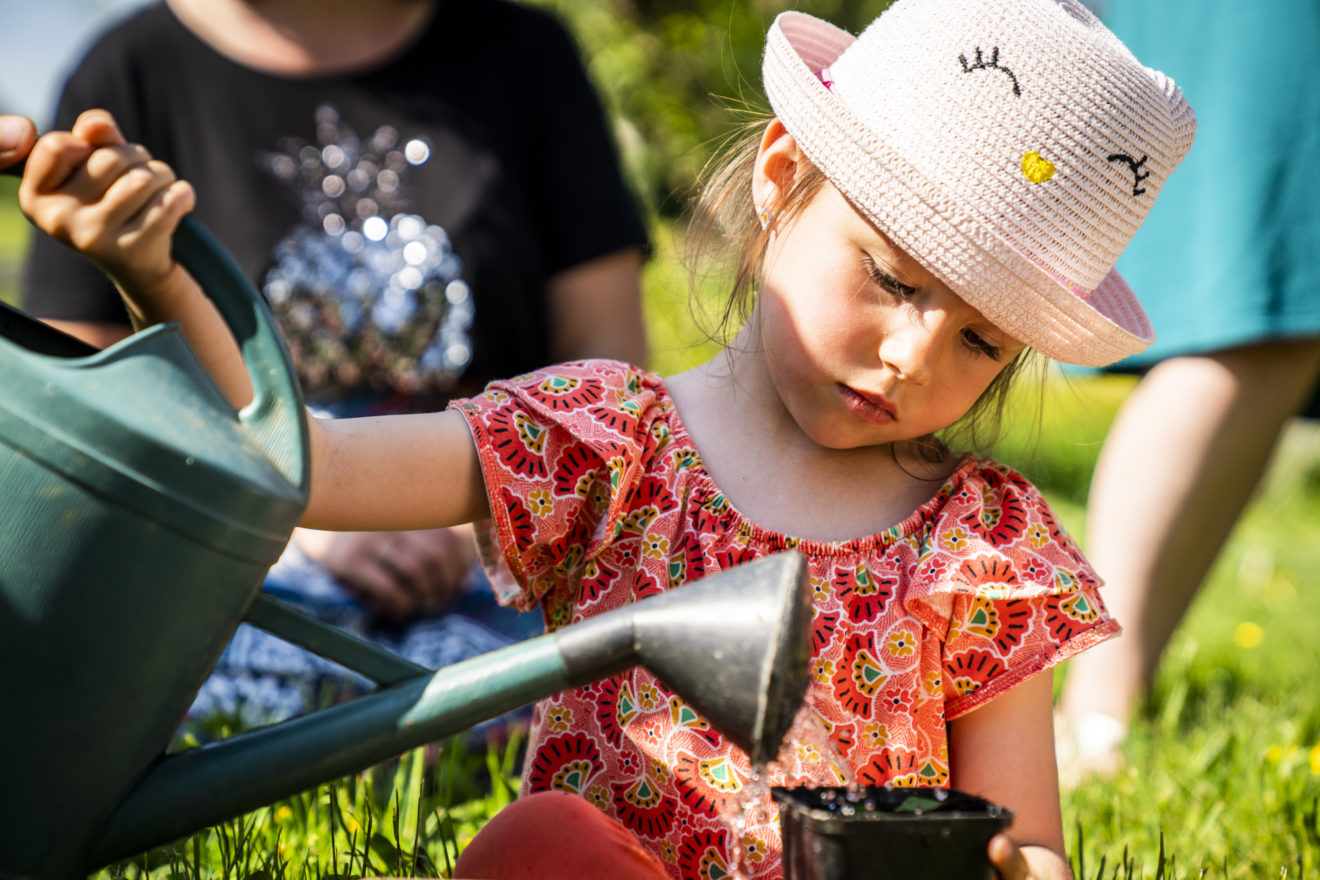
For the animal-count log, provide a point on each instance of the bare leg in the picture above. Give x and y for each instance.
(1179, 464)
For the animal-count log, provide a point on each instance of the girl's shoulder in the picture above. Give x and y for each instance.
(608, 406)
(990, 512)
(981, 490)
(991, 478)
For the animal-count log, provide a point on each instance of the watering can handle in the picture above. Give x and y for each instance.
(275, 417)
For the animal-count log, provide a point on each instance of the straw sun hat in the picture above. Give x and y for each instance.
(1013, 147)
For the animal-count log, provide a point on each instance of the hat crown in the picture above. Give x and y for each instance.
(1029, 114)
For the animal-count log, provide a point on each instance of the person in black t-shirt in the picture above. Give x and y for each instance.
(427, 194)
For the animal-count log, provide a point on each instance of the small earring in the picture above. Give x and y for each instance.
(763, 215)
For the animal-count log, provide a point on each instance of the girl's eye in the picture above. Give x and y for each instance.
(980, 345)
(887, 281)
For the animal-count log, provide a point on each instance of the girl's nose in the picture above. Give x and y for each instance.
(912, 343)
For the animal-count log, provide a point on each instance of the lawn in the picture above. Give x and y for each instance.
(1223, 770)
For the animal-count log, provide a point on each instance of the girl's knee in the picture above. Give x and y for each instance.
(550, 835)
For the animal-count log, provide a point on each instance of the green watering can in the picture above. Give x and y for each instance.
(140, 514)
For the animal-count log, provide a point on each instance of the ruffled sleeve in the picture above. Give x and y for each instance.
(1004, 586)
(560, 451)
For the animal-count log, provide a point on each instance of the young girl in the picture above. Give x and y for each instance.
(930, 199)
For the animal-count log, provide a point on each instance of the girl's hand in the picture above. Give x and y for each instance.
(108, 199)
(397, 575)
(1026, 863)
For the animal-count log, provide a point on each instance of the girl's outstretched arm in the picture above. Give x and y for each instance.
(1004, 752)
(394, 472)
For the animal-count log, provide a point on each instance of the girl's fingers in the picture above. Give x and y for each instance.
(64, 164)
(56, 156)
(131, 192)
(158, 218)
(98, 128)
(52, 162)
(139, 247)
(105, 166)
(1008, 860)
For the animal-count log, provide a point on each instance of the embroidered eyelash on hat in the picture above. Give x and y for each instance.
(992, 64)
(1135, 165)
(994, 141)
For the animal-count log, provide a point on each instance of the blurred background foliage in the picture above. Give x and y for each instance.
(669, 71)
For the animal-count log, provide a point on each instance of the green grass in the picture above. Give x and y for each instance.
(1225, 757)
(14, 231)
(409, 817)
(1223, 772)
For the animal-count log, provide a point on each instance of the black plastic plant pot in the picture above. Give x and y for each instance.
(887, 833)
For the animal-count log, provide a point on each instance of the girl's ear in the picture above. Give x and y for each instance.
(776, 168)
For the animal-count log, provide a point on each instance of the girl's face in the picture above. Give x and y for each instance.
(863, 345)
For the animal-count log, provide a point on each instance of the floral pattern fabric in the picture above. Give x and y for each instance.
(599, 498)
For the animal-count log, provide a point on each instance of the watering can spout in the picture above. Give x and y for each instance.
(734, 645)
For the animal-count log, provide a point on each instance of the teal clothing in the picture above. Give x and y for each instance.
(1231, 252)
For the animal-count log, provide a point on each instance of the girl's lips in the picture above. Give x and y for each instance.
(873, 408)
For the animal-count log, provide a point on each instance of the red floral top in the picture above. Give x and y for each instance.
(599, 497)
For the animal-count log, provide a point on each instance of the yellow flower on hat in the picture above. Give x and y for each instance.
(1037, 168)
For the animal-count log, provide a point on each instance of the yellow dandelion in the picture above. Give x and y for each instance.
(1248, 635)
(1313, 757)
